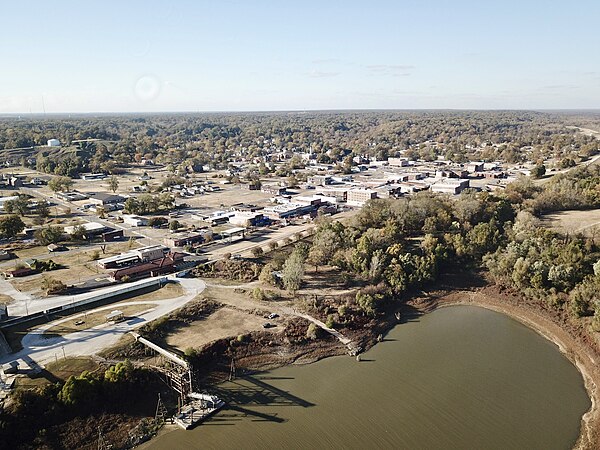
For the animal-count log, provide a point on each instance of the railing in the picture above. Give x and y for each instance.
(87, 301)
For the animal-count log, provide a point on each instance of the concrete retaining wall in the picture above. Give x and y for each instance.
(90, 301)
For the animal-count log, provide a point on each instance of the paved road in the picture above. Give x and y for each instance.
(25, 304)
(39, 350)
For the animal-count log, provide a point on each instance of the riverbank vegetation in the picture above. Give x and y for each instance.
(60, 415)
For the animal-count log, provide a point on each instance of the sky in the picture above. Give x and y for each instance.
(259, 55)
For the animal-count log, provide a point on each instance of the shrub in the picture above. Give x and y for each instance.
(330, 323)
(258, 294)
(312, 332)
(190, 352)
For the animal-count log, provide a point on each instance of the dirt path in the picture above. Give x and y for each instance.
(281, 309)
(292, 312)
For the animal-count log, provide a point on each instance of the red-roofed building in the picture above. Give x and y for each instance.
(166, 264)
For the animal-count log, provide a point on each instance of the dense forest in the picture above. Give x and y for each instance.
(189, 141)
(396, 245)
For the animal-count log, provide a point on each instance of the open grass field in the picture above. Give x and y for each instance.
(93, 319)
(71, 275)
(60, 370)
(226, 322)
(169, 290)
(572, 222)
(79, 265)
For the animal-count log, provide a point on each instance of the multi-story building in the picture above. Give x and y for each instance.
(358, 197)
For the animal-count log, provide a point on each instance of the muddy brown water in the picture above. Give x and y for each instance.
(461, 377)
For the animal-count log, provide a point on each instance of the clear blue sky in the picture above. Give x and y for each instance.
(219, 55)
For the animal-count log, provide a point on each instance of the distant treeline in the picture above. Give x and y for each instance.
(189, 141)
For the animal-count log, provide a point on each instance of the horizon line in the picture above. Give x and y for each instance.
(263, 111)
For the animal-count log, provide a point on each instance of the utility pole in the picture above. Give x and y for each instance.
(161, 411)
(232, 370)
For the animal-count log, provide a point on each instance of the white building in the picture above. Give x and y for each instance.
(89, 227)
(398, 162)
(358, 197)
(450, 186)
(135, 221)
(246, 218)
(142, 254)
(53, 143)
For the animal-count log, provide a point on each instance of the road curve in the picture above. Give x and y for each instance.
(39, 350)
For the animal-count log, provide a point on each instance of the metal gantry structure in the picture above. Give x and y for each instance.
(178, 372)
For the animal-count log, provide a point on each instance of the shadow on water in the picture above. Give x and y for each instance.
(259, 417)
(409, 314)
(268, 377)
(252, 391)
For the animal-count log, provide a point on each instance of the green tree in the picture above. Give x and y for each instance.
(19, 206)
(266, 275)
(49, 235)
(367, 303)
(78, 233)
(157, 221)
(79, 390)
(120, 372)
(293, 271)
(113, 184)
(316, 257)
(258, 294)
(60, 184)
(538, 171)
(10, 226)
(43, 209)
(312, 332)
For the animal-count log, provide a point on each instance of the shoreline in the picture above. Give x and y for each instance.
(577, 352)
(489, 297)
